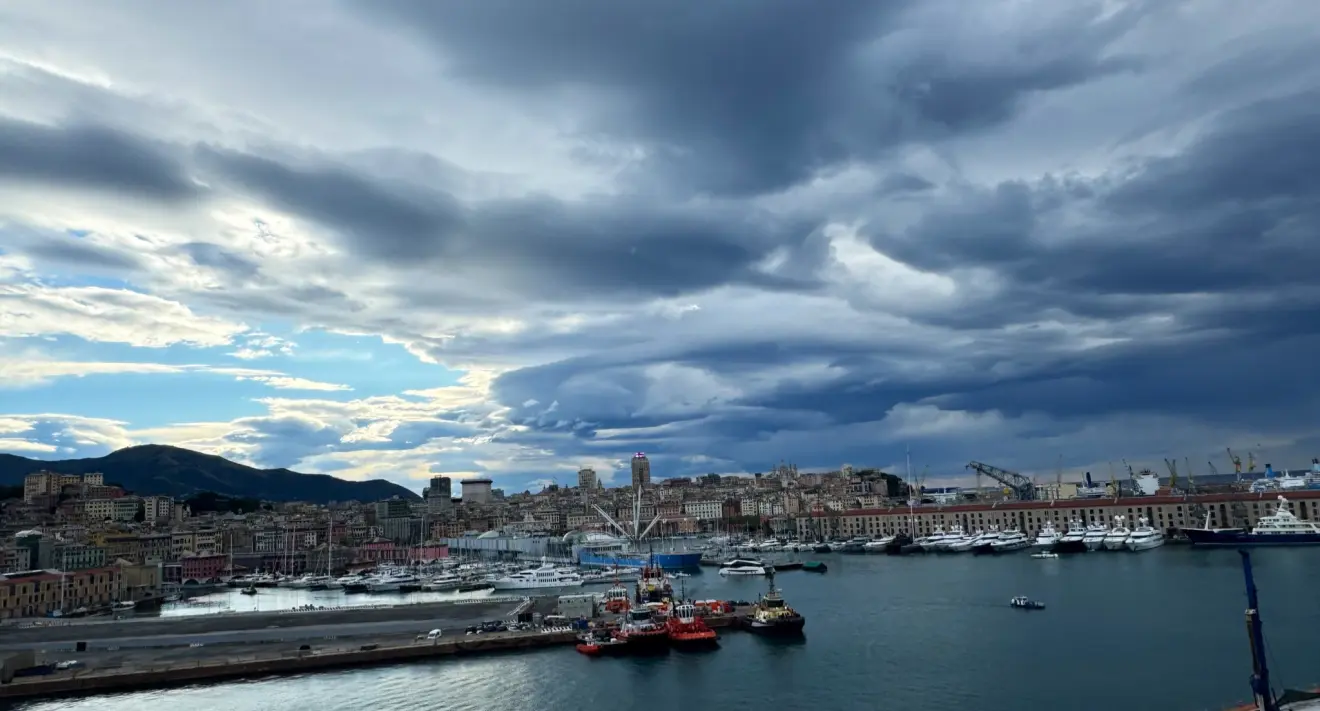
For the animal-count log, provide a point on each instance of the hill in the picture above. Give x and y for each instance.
(158, 469)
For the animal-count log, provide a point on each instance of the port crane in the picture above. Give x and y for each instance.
(1020, 485)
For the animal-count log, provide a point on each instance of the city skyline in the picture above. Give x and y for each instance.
(469, 241)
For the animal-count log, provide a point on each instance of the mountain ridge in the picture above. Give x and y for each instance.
(157, 469)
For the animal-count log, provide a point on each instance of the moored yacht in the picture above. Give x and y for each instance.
(1116, 539)
(933, 541)
(744, 566)
(965, 543)
(878, 545)
(1009, 541)
(1144, 536)
(985, 542)
(956, 535)
(1073, 541)
(1282, 528)
(1047, 537)
(546, 576)
(1095, 536)
(396, 582)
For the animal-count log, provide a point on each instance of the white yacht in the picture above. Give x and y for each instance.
(744, 566)
(1116, 539)
(442, 583)
(965, 543)
(933, 541)
(1095, 537)
(878, 545)
(546, 576)
(397, 582)
(1047, 537)
(985, 542)
(1010, 540)
(1144, 536)
(955, 535)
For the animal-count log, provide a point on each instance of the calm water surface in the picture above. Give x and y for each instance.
(1157, 630)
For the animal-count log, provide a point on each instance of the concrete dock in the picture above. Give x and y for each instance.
(153, 652)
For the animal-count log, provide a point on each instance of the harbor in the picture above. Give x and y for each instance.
(878, 626)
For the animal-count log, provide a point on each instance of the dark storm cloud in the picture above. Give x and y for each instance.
(749, 97)
(1236, 211)
(538, 246)
(86, 156)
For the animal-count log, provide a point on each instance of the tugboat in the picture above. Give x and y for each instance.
(772, 617)
(687, 630)
(641, 633)
(1022, 603)
(653, 586)
(600, 644)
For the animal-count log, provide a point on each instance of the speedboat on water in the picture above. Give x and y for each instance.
(1282, 528)
(1116, 539)
(1144, 536)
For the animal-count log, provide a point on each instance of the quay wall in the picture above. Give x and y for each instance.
(102, 682)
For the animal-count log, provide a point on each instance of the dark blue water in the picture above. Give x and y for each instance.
(1156, 630)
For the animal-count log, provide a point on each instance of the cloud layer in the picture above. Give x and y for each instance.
(510, 241)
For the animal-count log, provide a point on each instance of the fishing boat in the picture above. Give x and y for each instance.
(1022, 602)
(771, 616)
(686, 629)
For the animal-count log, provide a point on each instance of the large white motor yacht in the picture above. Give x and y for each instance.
(1010, 540)
(1116, 539)
(1047, 537)
(1144, 536)
(744, 566)
(546, 576)
(965, 543)
(1095, 537)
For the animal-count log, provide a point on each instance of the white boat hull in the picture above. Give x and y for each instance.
(1144, 545)
(743, 571)
(530, 585)
(1115, 544)
(1094, 544)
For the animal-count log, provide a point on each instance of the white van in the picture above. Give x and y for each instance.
(433, 636)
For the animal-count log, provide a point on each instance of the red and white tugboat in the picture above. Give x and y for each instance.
(686, 629)
(642, 633)
(599, 643)
(653, 586)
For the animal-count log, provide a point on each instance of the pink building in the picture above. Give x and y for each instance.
(203, 568)
(388, 552)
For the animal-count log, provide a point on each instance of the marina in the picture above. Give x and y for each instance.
(1174, 611)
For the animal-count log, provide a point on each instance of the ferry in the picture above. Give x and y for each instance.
(1279, 529)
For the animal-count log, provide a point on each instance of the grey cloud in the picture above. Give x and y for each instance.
(749, 97)
(533, 246)
(94, 157)
(71, 250)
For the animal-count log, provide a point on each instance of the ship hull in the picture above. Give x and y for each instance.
(1238, 537)
(780, 628)
(1070, 546)
(667, 561)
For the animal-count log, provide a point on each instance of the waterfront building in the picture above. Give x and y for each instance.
(1164, 512)
(36, 593)
(200, 569)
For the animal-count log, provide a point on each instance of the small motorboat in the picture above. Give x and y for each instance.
(1045, 554)
(1022, 603)
(814, 566)
(249, 590)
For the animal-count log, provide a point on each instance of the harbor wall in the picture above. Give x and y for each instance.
(219, 670)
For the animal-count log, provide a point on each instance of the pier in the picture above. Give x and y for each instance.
(124, 655)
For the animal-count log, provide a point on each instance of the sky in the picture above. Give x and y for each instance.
(514, 238)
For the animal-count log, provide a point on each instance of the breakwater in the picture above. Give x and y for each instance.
(219, 669)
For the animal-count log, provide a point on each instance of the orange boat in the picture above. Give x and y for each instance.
(686, 629)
